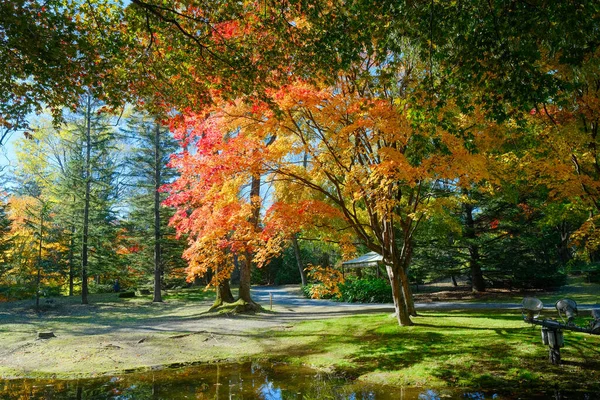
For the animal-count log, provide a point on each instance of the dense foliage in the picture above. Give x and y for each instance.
(354, 290)
(450, 137)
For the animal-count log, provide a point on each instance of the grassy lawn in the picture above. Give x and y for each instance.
(485, 349)
(491, 350)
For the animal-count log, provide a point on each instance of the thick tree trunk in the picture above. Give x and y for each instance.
(246, 261)
(396, 262)
(407, 293)
(86, 207)
(400, 308)
(245, 272)
(406, 257)
(474, 260)
(564, 252)
(224, 294)
(299, 259)
(157, 233)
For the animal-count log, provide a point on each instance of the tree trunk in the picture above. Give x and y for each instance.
(470, 234)
(401, 311)
(86, 207)
(246, 262)
(299, 259)
(407, 292)
(396, 263)
(71, 260)
(224, 294)
(39, 260)
(564, 252)
(407, 252)
(245, 275)
(157, 234)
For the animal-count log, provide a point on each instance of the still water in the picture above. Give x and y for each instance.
(252, 380)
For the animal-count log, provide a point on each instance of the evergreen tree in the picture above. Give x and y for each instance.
(5, 242)
(97, 191)
(153, 242)
(81, 161)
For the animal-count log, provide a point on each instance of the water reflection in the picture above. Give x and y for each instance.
(235, 381)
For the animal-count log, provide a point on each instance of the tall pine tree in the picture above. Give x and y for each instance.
(153, 241)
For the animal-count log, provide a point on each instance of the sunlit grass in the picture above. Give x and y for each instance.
(480, 349)
(474, 349)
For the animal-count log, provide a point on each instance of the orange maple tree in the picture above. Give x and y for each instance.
(372, 162)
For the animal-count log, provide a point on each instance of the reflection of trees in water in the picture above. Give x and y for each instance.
(265, 381)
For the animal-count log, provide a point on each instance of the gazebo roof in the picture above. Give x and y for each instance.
(370, 259)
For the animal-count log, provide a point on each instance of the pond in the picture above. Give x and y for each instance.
(251, 380)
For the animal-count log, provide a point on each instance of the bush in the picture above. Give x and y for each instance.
(366, 291)
(590, 271)
(356, 291)
(16, 292)
(51, 291)
(593, 276)
(173, 282)
(95, 288)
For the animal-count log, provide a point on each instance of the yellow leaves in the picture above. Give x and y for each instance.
(301, 23)
(394, 166)
(329, 279)
(588, 235)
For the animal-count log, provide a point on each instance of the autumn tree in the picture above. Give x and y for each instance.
(223, 200)
(373, 160)
(52, 52)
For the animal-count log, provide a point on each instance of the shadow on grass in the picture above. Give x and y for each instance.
(504, 359)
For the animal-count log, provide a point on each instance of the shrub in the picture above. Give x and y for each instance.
(366, 291)
(95, 288)
(16, 292)
(354, 291)
(593, 276)
(173, 282)
(51, 291)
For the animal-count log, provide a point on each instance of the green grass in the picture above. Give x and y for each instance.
(477, 349)
(491, 350)
(193, 294)
(577, 289)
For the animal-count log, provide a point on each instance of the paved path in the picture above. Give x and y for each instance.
(290, 297)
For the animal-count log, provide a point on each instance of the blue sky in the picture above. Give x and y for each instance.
(7, 151)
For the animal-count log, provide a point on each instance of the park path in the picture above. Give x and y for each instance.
(290, 297)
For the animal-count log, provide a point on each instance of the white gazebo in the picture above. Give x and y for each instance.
(371, 259)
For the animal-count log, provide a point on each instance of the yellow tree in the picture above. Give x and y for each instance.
(565, 155)
(34, 251)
